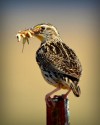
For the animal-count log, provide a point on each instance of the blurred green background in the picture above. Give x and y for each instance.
(22, 87)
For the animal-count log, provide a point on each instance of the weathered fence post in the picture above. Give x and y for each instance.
(58, 114)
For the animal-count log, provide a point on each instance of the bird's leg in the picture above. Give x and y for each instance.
(48, 98)
(65, 95)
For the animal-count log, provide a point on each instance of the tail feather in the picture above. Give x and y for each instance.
(76, 90)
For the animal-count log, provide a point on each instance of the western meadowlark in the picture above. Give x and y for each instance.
(59, 64)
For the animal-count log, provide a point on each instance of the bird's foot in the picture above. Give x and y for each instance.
(49, 101)
(64, 96)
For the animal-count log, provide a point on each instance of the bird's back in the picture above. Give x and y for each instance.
(57, 56)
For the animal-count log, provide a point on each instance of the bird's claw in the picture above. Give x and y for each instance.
(49, 101)
(64, 96)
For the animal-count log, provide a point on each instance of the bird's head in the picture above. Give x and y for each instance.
(43, 32)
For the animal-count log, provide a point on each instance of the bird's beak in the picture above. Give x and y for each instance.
(36, 29)
(38, 32)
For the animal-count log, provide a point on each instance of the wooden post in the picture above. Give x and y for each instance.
(58, 114)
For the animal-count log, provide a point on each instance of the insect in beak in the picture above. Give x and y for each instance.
(24, 35)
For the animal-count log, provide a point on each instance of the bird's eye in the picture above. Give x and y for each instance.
(43, 28)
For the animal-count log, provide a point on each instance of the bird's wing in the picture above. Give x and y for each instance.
(60, 58)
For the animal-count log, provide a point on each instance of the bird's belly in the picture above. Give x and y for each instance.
(54, 79)
(50, 78)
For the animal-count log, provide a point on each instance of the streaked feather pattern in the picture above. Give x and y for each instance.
(58, 57)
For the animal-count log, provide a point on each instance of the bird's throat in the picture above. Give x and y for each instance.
(40, 38)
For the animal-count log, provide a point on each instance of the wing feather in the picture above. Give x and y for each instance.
(58, 57)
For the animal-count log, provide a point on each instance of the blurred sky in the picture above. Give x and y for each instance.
(22, 88)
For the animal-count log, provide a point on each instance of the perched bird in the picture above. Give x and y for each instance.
(58, 63)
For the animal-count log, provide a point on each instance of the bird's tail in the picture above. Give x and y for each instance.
(76, 89)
